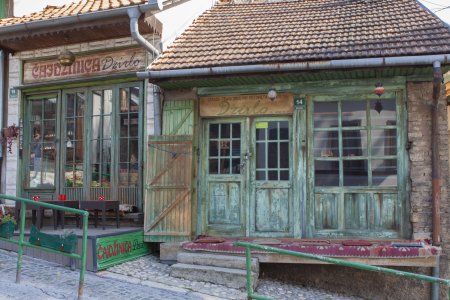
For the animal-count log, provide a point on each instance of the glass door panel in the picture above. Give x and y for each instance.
(129, 99)
(42, 143)
(73, 145)
(101, 150)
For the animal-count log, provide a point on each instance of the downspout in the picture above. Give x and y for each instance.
(435, 168)
(436, 171)
(2, 100)
(134, 13)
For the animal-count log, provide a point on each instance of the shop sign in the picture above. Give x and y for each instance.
(117, 249)
(245, 105)
(85, 66)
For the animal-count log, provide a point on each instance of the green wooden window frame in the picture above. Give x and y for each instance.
(361, 189)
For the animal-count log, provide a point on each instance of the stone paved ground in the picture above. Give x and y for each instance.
(44, 280)
(148, 268)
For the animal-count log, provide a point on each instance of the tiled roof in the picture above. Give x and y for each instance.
(73, 9)
(306, 30)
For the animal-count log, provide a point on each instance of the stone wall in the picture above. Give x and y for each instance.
(10, 167)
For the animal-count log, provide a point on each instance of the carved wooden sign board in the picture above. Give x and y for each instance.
(245, 105)
(90, 65)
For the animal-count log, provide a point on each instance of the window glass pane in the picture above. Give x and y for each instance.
(384, 172)
(386, 116)
(384, 142)
(284, 155)
(96, 103)
(354, 142)
(326, 144)
(354, 113)
(213, 148)
(213, 131)
(273, 130)
(134, 99)
(107, 102)
(260, 134)
(236, 148)
(284, 175)
(224, 166)
(326, 173)
(224, 148)
(260, 175)
(260, 155)
(325, 114)
(236, 130)
(124, 150)
(273, 155)
(213, 166)
(106, 127)
(224, 130)
(284, 130)
(134, 124)
(355, 173)
(235, 166)
(123, 99)
(273, 175)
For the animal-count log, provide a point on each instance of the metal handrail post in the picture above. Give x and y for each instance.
(83, 256)
(339, 262)
(21, 238)
(248, 259)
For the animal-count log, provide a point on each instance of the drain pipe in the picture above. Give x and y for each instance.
(134, 13)
(2, 100)
(157, 110)
(436, 171)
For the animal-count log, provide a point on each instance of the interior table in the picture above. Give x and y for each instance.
(103, 206)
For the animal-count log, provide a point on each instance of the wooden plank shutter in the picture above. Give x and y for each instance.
(168, 176)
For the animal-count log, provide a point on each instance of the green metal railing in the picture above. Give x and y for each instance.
(21, 243)
(330, 260)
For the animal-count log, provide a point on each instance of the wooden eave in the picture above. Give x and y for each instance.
(54, 36)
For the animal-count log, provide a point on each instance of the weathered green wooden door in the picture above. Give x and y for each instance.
(223, 169)
(271, 177)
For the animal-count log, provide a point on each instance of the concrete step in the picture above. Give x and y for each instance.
(233, 278)
(216, 260)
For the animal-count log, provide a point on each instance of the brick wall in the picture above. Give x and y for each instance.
(10, 167)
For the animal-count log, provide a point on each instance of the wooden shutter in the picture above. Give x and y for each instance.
(168, 176)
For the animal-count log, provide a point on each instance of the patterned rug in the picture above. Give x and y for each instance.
(335, 248)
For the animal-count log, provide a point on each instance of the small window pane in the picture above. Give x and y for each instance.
(225, 130)
(384, 142)
(284, 155)
(224, 148)
(284, 130)
(354, 113)
(260, 155)
(260, 134)
(213, 148)
(224, 166)
(213, 131)
(326, 144)
(236, 130)
(235, 166)
(236, 148)
(273, 131)
(284, 175)
(326, 173)
(387, 112)
(273, 175)
(325, 114)
(260, 175)
(354, 142)
(213, 166)
(273, 155)
(355, 173)
(384, 172)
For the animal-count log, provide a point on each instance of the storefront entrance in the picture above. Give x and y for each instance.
(85, 143)
(247, 176)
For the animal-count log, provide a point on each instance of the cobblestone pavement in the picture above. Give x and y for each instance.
(148, 268)
(44, 280)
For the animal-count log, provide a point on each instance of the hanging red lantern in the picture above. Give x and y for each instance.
(379, 89)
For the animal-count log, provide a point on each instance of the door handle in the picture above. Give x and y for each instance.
(246, 157)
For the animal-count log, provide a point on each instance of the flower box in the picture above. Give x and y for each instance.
(7, 229)
(64, 243)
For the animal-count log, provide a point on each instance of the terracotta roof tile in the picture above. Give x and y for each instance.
(51, 12)
(306, 30)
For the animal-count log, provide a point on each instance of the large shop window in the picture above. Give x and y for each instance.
(86, 143)
(354, 145)
(354, 165)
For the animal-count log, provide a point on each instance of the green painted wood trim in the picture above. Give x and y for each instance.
(79, 83)
(335, 87)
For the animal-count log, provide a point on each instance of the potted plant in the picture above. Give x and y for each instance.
(7, 225)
